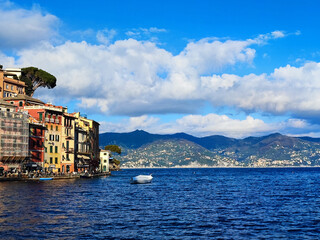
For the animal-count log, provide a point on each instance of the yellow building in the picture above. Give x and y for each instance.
(53, 118)
(87, 152)
(68, 144)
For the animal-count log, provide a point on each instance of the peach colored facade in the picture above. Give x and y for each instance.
(10, 85)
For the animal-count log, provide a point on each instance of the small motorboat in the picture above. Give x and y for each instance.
(140, 179)
(86, 175)
(45, 178)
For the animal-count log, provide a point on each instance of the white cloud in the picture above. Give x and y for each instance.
(6, 61)
(138, 32)
(278, 34)
(213, 124)
(131, 77)
(105, 36)
(134, 77)
(22, 28)
(287, 90)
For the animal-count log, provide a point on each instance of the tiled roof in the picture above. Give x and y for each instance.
(23, 97)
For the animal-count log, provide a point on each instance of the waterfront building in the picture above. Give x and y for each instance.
(36, 144)
(104, 160)
(58, 141)
(10, 85)
(22, 101)
(87, 143)
(68, 144)
(52, 117)
(14, 137)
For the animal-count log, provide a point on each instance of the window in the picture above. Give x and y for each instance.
(20, 104)
(57, 138)
(51, 149)
(40, 116)
(51, 127)
(45, 149)
(56, 160)
(57, 129)
(51, 137)
(7, 86)
(11, 87)
(51, 160)
(56, 149)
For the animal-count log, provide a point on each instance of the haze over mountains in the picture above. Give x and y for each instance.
(142, 149)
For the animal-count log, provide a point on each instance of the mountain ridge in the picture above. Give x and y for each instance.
(143, 149)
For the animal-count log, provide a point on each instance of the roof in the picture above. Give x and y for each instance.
(2, 102)
(12, 80)
(24, 97)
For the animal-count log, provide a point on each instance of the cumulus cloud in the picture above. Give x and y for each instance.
(131, 77)
(23, 28)
(288, 90)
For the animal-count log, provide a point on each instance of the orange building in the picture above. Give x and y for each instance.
(10, 85)
(52, 117)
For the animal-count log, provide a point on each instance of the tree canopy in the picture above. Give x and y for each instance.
(35, 78)
(113, 148)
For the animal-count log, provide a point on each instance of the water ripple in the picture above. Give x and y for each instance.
(179, 204)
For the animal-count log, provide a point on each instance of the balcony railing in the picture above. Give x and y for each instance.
(44, 107)
(69, 150)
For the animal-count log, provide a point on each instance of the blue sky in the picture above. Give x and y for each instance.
(233, 68)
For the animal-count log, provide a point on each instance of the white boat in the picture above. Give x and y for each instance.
(142, 179)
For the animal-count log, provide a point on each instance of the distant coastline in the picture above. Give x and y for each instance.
(195, 167)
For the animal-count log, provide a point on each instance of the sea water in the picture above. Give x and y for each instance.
(223, 203)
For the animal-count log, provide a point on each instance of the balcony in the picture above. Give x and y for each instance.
(47, 119)
(69, 150)
(45, 107)
(69, 137)
(51, 120)
(57, 121)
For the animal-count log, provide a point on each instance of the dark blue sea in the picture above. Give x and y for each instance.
(272, 203)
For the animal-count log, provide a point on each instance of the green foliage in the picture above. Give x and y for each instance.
(113, 148)
(34, 78)
(117, 162)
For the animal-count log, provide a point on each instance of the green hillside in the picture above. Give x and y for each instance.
(142, 149)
